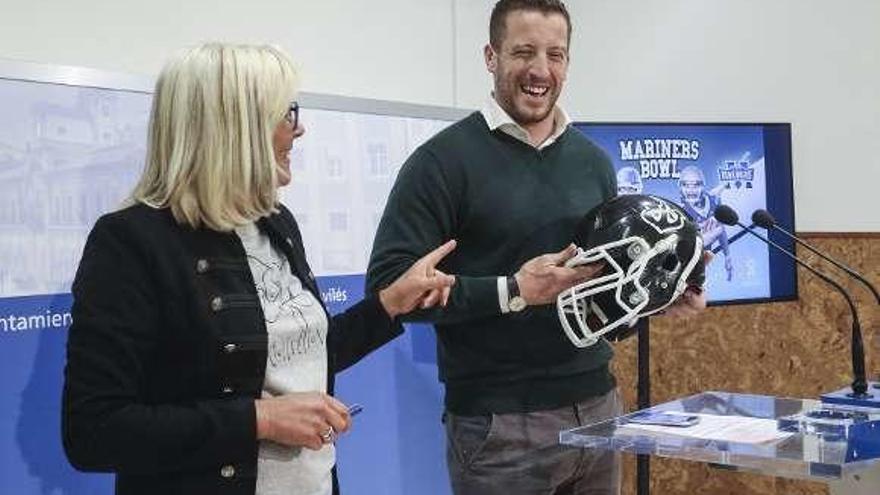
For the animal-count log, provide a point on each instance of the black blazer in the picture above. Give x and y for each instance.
(167, 352)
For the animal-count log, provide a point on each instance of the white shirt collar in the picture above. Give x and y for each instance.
(497, 118)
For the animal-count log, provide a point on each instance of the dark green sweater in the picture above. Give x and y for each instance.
(505, 202)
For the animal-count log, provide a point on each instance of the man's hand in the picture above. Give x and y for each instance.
(422, 285)
(542, 278)
(693, 300)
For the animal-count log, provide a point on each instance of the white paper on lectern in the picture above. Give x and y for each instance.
(721, 428)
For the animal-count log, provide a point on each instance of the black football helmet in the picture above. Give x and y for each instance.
(651, 251)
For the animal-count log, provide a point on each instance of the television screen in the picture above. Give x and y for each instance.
(699, 166)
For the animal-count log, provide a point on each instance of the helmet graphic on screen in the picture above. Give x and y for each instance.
(691, 183)
(629, 181)
(651, 251)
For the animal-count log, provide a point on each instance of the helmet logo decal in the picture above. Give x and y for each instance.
(663, 218)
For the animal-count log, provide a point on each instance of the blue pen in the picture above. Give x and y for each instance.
(355, 409)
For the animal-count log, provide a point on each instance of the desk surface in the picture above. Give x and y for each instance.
(823, 442)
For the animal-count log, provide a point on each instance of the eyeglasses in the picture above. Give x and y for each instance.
(292, 116)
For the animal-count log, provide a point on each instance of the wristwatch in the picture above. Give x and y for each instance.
(515, 302)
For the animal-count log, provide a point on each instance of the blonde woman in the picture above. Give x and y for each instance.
(201, 358)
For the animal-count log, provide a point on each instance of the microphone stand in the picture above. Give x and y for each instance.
(831, 260)
(764, 219)
(860, 383)
(643, 461)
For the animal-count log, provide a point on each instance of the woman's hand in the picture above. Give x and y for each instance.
(302, 419)
(422, 285)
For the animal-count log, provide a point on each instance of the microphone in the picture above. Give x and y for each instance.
(763, 218)
(728, 216)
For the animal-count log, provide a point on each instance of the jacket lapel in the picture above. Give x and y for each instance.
(288, 240)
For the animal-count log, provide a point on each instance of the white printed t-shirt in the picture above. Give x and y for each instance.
(296, 362)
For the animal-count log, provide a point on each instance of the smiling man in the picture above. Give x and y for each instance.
(528, 56)
(510, 183)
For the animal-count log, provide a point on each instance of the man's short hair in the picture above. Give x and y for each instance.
(498, 20)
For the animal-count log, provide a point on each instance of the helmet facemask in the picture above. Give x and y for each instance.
(638, 279)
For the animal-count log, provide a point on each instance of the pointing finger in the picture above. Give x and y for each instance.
(431, 259)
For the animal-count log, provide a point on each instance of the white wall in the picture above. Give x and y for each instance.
(813, 63)
(810, 62)
(389, 49)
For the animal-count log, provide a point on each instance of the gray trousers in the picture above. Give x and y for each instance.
(519, 453)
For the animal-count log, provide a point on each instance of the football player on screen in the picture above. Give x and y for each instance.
(700, 205)
(629, 181)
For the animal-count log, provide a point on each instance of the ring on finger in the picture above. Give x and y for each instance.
(328, 435)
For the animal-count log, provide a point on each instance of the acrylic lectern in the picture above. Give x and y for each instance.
(784, 437)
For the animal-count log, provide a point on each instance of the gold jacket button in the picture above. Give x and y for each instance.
(230, 348)
(202, 265)
(227, 471)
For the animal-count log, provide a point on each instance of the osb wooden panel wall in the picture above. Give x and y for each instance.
(792, 349)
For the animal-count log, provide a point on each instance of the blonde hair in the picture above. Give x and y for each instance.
(209, 153)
